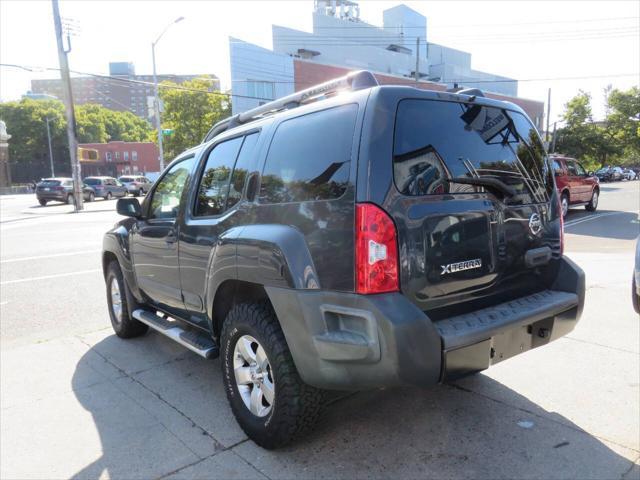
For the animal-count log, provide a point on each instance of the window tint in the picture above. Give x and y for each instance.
(557, 167)
(166, 197)
(436, 141)
(309, 157)
(571, 167)
(241, 169)
(93, 181)
(214, 184)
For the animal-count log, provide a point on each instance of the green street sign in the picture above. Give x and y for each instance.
(167, 131)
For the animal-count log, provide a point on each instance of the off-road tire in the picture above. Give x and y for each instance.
(126, 327)
(297, 406)
(591, 206)
(42, 202)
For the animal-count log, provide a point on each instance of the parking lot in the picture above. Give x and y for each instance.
(76, 401)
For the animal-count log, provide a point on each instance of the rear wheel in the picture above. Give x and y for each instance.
(42, 202)
(564, 204)
(268, 398)
(635, 298)
(593, 204)
(119, 299)
(92, 197)
(108, 196)
(70, 199)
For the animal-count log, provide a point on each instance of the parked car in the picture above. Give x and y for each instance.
(309, 264)
(575, 185)
(137, 185)
(610, 174)
(106, 187)
(60, 189)
(635, 283)
(629, 174)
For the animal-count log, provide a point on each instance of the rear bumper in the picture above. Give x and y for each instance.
(59, 196)
(349, 342)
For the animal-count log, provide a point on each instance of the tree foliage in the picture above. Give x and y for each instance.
(28, 147)
(614, 140)
(190, 114)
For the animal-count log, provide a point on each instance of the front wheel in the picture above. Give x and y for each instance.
(593, 204)
(42, 202)
(108, 197)
(268, 398)
(70, 200)
(118, 298)
(92, 197)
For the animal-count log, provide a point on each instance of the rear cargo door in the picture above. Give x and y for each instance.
(473, 209)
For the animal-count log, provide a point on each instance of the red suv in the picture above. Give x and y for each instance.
(575, 185)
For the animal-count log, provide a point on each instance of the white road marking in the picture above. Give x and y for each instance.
(47, 277)
(592, 217)
(54, 255)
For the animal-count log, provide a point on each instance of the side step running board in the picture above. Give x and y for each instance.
(198, 342)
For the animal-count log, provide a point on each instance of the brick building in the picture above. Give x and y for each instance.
(119, 158)
(307, 74)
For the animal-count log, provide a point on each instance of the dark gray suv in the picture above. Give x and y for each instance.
(385, 236)
(60, 189)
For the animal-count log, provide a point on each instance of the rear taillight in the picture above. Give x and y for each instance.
(376, 251)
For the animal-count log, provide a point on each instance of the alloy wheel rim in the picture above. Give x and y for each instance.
(565, 206)
(253, 375)
(116, 300)
(594, 200)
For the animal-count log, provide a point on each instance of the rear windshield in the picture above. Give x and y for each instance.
(127, 179)
(92, 181)
(437, 141)
(50, 183)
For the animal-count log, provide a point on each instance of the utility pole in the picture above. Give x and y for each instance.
(548, 115)
(53, 173)
(417, 73)
(70, 113)
(553, 139)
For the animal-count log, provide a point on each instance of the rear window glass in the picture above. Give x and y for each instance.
(127, 179)
(309, 157)
(50, 183)
(437, 141)
(92, 181)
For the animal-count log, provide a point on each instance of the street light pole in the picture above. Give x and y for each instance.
(53, 174)
(156, 99)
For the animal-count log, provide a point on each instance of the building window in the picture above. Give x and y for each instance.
(108, 156)
(125, 155)
(261, 90)
(117, 155)
(134, 156)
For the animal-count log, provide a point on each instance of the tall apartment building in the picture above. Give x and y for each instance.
(122, 90)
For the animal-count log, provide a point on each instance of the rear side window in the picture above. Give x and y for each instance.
(437, 141)
(241, 169)
(309, 157)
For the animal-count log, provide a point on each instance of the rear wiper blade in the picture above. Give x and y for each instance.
(492, 184)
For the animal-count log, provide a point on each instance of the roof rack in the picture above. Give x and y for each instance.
(353, 81)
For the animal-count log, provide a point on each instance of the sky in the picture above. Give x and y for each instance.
(540, 43)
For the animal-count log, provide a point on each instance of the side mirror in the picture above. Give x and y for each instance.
(129, 207)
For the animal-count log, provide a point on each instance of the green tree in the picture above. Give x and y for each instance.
(28, 148)
(190, 114)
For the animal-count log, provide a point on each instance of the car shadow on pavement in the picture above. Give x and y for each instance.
(475, 428)
(612, 224)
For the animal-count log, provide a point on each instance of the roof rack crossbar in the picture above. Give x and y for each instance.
(353, 81)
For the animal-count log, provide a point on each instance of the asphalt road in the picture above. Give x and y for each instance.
(76, 401)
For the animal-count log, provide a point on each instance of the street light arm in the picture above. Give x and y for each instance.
(179, 19)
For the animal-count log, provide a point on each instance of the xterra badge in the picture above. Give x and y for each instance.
(460, 266)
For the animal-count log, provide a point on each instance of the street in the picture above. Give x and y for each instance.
(77, 401)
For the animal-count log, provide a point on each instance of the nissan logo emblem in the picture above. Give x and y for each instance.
(535, 224)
